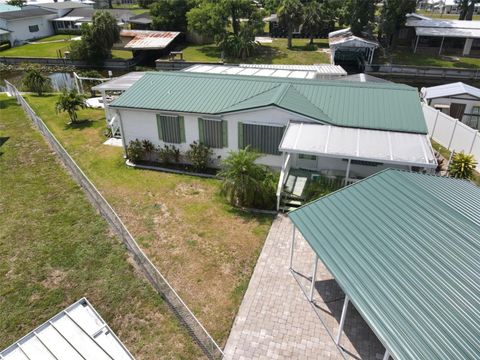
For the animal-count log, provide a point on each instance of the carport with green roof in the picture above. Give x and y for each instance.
(405, 249)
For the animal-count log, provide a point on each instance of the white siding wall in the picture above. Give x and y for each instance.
(143, 125)
(446, 101)
(20, 29)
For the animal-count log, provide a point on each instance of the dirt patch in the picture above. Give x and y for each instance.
(189, 190)
(54, 279)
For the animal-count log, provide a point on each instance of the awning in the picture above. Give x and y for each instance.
(68, 18)
(448, 32)
(361, 144)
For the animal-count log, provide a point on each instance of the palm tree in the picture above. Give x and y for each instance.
(36, 82)
(290, 15)
(462, 166)
(244, 181)
(312, 19)
(70, 102)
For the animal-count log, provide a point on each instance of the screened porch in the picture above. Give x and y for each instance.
(318, 159)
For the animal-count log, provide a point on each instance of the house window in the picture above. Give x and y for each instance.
(213, 133)
(307, 157)
(262, 138)
(171, 128)
(33, 28)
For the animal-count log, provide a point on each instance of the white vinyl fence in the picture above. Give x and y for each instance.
(452, 133)
(153, 275)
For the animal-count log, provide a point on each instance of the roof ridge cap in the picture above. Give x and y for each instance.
(282, 91)
(251, 97)
(328, 119)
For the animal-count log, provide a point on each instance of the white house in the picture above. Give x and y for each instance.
(332, 128)
(459, 100)
(26, 24)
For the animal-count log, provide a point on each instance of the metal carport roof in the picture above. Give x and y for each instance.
(405, 248)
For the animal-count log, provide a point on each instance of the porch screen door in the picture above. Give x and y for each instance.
(457, 110)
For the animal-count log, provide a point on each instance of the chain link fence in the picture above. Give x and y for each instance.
(161, 285)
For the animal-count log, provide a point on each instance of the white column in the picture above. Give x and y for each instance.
(416, 44)
(441, 45)
(314, 276)
(386, 356)
(342, 320)
(467, 47)
(292, 247)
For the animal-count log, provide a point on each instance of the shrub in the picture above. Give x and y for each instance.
(148, 148)
(199, 155)
(70, 102)
(36, 82)
(246, 183)
(135, 150)
(462, 166)
(168, 154)
(321, 187)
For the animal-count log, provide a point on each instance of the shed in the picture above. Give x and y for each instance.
(344, 45)
(76, 333)
(404, 248)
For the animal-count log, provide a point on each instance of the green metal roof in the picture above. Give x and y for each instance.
(381, 106)
(405, 248)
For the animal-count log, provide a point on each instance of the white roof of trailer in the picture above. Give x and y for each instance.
(78, 332)
(68, 18)
(327, 69)
(361, 144)
(444, 27)
(447, 90)
(120, 83)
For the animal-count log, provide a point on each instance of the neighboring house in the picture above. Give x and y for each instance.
(72, 21)
(346, 47)
(333, 128)
(141, 21)
(78, 332)
(459, 100)
(26, 24)
(147, 42)
(437, 36)
(61, 8)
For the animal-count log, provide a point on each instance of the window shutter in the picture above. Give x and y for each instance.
(240, 135)
(181, 124)
(201, 130)
(159, 127)
(225, 133)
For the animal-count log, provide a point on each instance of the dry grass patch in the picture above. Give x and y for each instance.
(203, 246)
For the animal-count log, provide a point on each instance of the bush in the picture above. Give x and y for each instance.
(148, 148)
(321, 186)
(135, 150)
(462, 166)
(70, 102)
(36, 82)
(199, 155)
(168, 154)
(246, 183)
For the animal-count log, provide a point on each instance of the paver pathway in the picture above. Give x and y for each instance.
(276, 321)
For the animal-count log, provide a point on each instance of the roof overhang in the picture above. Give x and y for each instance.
(385, 147)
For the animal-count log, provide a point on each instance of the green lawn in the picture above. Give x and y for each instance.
(274, 53)
(55, 248)
(405, 56)
(50, 50)
(204, 247)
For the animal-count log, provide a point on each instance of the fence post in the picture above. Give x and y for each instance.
(435, 123)
(475, 134)
(453, 133)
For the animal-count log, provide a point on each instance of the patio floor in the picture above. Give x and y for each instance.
(276, 320)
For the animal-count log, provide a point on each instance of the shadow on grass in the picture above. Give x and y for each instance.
(3, 140)
(79, 124)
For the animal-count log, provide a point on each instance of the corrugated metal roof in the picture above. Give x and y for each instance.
(445, 27)
(120, 83)
(453, 89)
(387, 147)
(148, 39)
(405, 248)
(25, 13)
(78, 332)
(386, 106)
(61, 5)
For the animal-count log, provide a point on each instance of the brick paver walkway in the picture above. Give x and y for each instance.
(276, 321)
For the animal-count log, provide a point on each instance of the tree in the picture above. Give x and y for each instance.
(312, 19)
(97, 39)
(290, 15)
(36, 82)
(467, 8)
(70, 102)
(462, 166)
(169, 15)
(362, 16)
(246, 183)
(19, 3)
(393, 18)
(213, 18)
